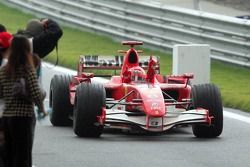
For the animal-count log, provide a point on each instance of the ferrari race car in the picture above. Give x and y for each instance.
(137, 99)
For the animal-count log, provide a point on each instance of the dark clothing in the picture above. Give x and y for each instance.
(19, 133)
(46, 41)
(2, 28)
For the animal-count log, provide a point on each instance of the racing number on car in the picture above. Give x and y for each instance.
(155, 121)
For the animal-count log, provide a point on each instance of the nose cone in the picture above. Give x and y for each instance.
(156, 109)
(153, 102)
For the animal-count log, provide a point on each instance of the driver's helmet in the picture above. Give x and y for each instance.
(137, 74)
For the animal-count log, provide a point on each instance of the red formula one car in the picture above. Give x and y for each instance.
(137, 99)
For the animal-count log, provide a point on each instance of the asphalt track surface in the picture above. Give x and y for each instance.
(59, 146)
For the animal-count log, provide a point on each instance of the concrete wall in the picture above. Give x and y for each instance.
(193, 58)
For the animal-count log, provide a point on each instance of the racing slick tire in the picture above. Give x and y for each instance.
(59, 101)
(208, 96)
(89, 101)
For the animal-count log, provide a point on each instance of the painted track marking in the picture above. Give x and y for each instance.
(236, 116)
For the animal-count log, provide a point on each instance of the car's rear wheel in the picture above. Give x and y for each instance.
(208, 96)
(59, 101)
(89, 102)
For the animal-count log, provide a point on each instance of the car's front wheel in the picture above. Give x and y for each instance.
(59, 101)
(89, 102)
(208, 96)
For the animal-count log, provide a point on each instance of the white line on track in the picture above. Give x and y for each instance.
(236, 116)
(59, 69)
(225, 113)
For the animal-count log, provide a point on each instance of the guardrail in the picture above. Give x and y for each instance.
(157, 26)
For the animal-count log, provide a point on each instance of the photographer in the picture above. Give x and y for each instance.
(44, 33)
(2, 28)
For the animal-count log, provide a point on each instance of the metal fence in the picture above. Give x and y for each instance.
(155, 25)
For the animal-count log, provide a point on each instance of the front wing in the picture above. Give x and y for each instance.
(124, 120)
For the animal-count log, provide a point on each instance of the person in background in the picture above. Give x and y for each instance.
(37, 65)
(18, 115)
(45, 34)
(2, 28)
(5, 38)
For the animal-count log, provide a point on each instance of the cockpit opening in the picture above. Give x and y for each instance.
(132, 57)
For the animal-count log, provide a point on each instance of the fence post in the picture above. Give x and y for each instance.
(196, 4)
(192, 58)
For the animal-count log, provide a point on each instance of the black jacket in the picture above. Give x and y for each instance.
(46, 41)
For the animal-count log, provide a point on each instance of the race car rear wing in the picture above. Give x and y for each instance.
(96, 62)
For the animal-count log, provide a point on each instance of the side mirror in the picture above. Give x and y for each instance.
(87, 75)
(188, 75)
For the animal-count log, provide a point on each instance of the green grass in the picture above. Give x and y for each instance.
(233, 81)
